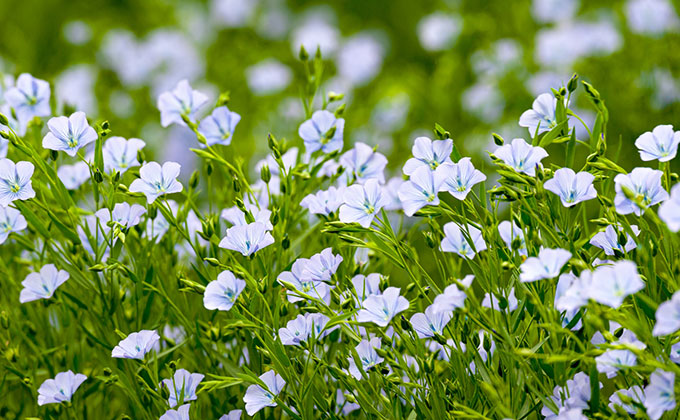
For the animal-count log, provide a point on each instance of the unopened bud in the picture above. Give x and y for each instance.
(193, 180)
(3, 120)
(223, 99)
(303, 54)
(573, 83)
(265, 173)
(497, 139)
(98, 177)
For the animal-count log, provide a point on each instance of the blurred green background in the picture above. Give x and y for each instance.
(471, 66)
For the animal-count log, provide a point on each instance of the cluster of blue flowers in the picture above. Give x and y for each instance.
(338, 294)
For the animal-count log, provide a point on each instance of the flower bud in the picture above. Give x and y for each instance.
(98, 177)
(209, 167)
(285, 242)
(265, 174)
(237, 185)
(193, 180)
(429, 239)
(573, 83)
(223, 99)
(405, 325)
(497, 139)
(303, 54)
(271, 142)
(339, 111)
(4, 320)
(3, 119)
(334, 96)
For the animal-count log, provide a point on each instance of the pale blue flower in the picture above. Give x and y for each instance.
(232, 415)
(429, 154)
(521, 156)
(675, 353)
(341, 403)
(432, 322)
(322, 132)
(573, 292)
(660, 394)
(11, 220)
(15, 181)
(257, 397)
(155, 180)
(633, 393)
(222, 293)
(453, 298)
(364, 163)
(236, 217)
(321, 266)
(43, 284)
(69, 134)
(30, 97)
(460, 177)
(391, 193)
(609, 240)
(669, 210)
(547, 265)
(4, 145)
(380, 309)
(182, 101)
(323, 202)
(247, 239)
(127, 215)
(301, 328)
(455, 240)
(367, 355)
(365, 286)
(661, 143)
(136, 345)
(120, 154)
(508, 303)
(668, 316)
(508, 232)
(362, 203)
(615, 282)
(421, 190)
(541, 116)
(571, 187)
(316, 289)
(73, 176)
(95, 228)
(218, 127)
(182, 384)
(182, 413)
(611, 361)
(644, 184)
(61, 388)
(575, 395)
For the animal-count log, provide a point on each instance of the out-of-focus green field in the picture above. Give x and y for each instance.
(480, 83)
